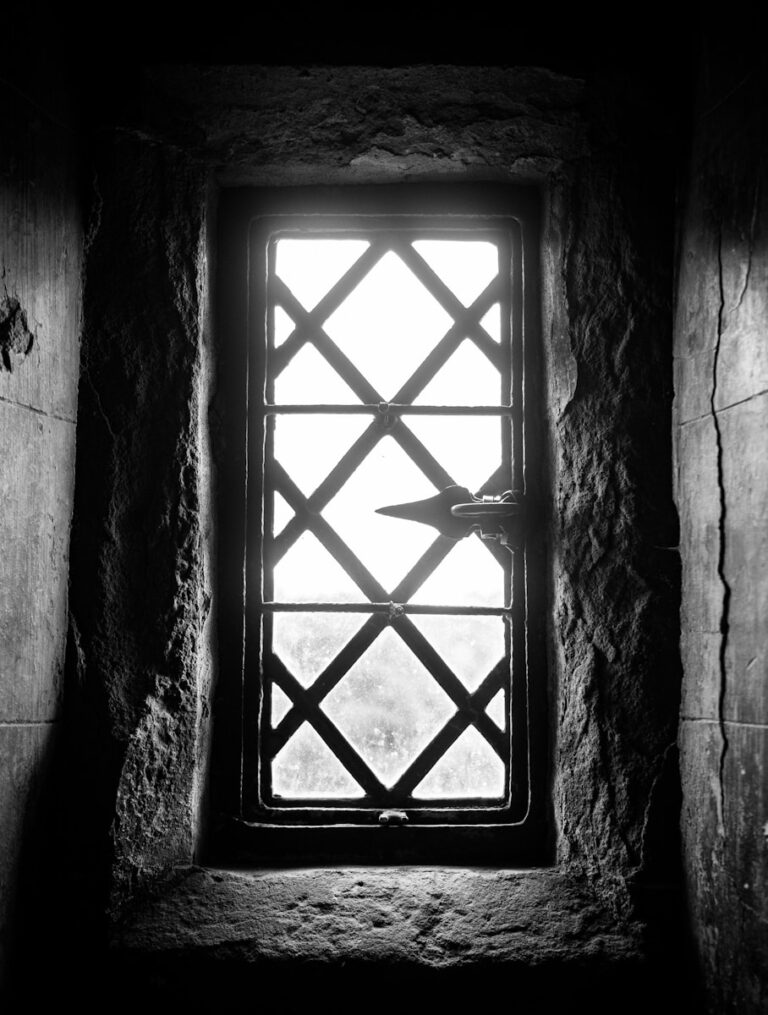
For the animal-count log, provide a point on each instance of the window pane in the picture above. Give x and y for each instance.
(307, 767)
(309, 574)
(284, 326)
(308, 447)
(309, 379)
(468, 576)
(497, 710)
(388, 706)
(492, 322)
(388, 325)
(467, 267)
(468, 378)
(471, 646)
(469, 768)
(307, 642)
(469, 449)
(311, 267)
(281, 705)
(282, 512)
(387, 546)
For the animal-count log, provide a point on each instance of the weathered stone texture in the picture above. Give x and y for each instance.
(140, 594)
(354, 124)
(722, 492)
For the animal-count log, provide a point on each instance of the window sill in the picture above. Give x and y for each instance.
(417, 917)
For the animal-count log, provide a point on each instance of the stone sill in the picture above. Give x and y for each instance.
(418, 917)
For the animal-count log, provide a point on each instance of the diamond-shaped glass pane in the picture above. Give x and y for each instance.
(388, 324)
(307, 767)
(307, 642)
(466, 266)
(386, 546)
(309, 574)
(468, 378)
(308, 447)
(468, 448)
(471, 646)
(310, 267)
(309, 379)
(388, 706)
(468, 576)
(469, 768)
(281, 705)
(497, 710)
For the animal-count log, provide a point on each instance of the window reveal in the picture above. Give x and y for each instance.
(392, 659)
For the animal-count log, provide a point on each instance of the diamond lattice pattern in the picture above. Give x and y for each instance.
(394, 335)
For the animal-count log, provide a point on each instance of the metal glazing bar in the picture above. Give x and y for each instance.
(393, 608)
(340, 746)
(329, 678)
(390, 408)
(452, 730)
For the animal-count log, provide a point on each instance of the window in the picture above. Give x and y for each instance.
(389, 678)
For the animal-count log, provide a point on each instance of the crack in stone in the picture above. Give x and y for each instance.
(751, 246)
(726, 600)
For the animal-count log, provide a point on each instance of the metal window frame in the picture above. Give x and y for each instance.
(517, 831)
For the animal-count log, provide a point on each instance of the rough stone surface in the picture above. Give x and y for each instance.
(140, 588)
(721, 490)
(37, 468)
(361, 124)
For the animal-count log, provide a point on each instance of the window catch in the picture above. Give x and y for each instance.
(388, 818)
(455, 513)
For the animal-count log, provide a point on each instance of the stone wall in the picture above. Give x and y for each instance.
(721, 449)
(143, 593)
(40, 313)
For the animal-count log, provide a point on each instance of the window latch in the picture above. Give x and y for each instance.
(456, 513)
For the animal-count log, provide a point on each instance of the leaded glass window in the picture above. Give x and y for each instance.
(387, 663)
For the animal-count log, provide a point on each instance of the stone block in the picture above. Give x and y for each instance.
(726, 843)
(40, 258)
(744, 430)
(698, 504)
(36, 491)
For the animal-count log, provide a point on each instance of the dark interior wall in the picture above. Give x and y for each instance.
(143, 597)
(721, 445)
(40, 314)
(142, 592)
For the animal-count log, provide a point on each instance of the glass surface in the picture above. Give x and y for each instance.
(309, 379)
(471, 646)
(282, 512)
(387, 546)
(311, 267)
(497, 710)
(281, 705)
(308, 447)
(388, 706)
(388, 325)
(466, 266)
(492, 322)
(468, 448)
(309, 574)
(284, 326)
(307, 767)
(468, 378)
(469, 768)
(307, 642)
(468, 576)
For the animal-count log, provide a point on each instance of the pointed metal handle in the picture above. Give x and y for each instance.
(455, 513)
